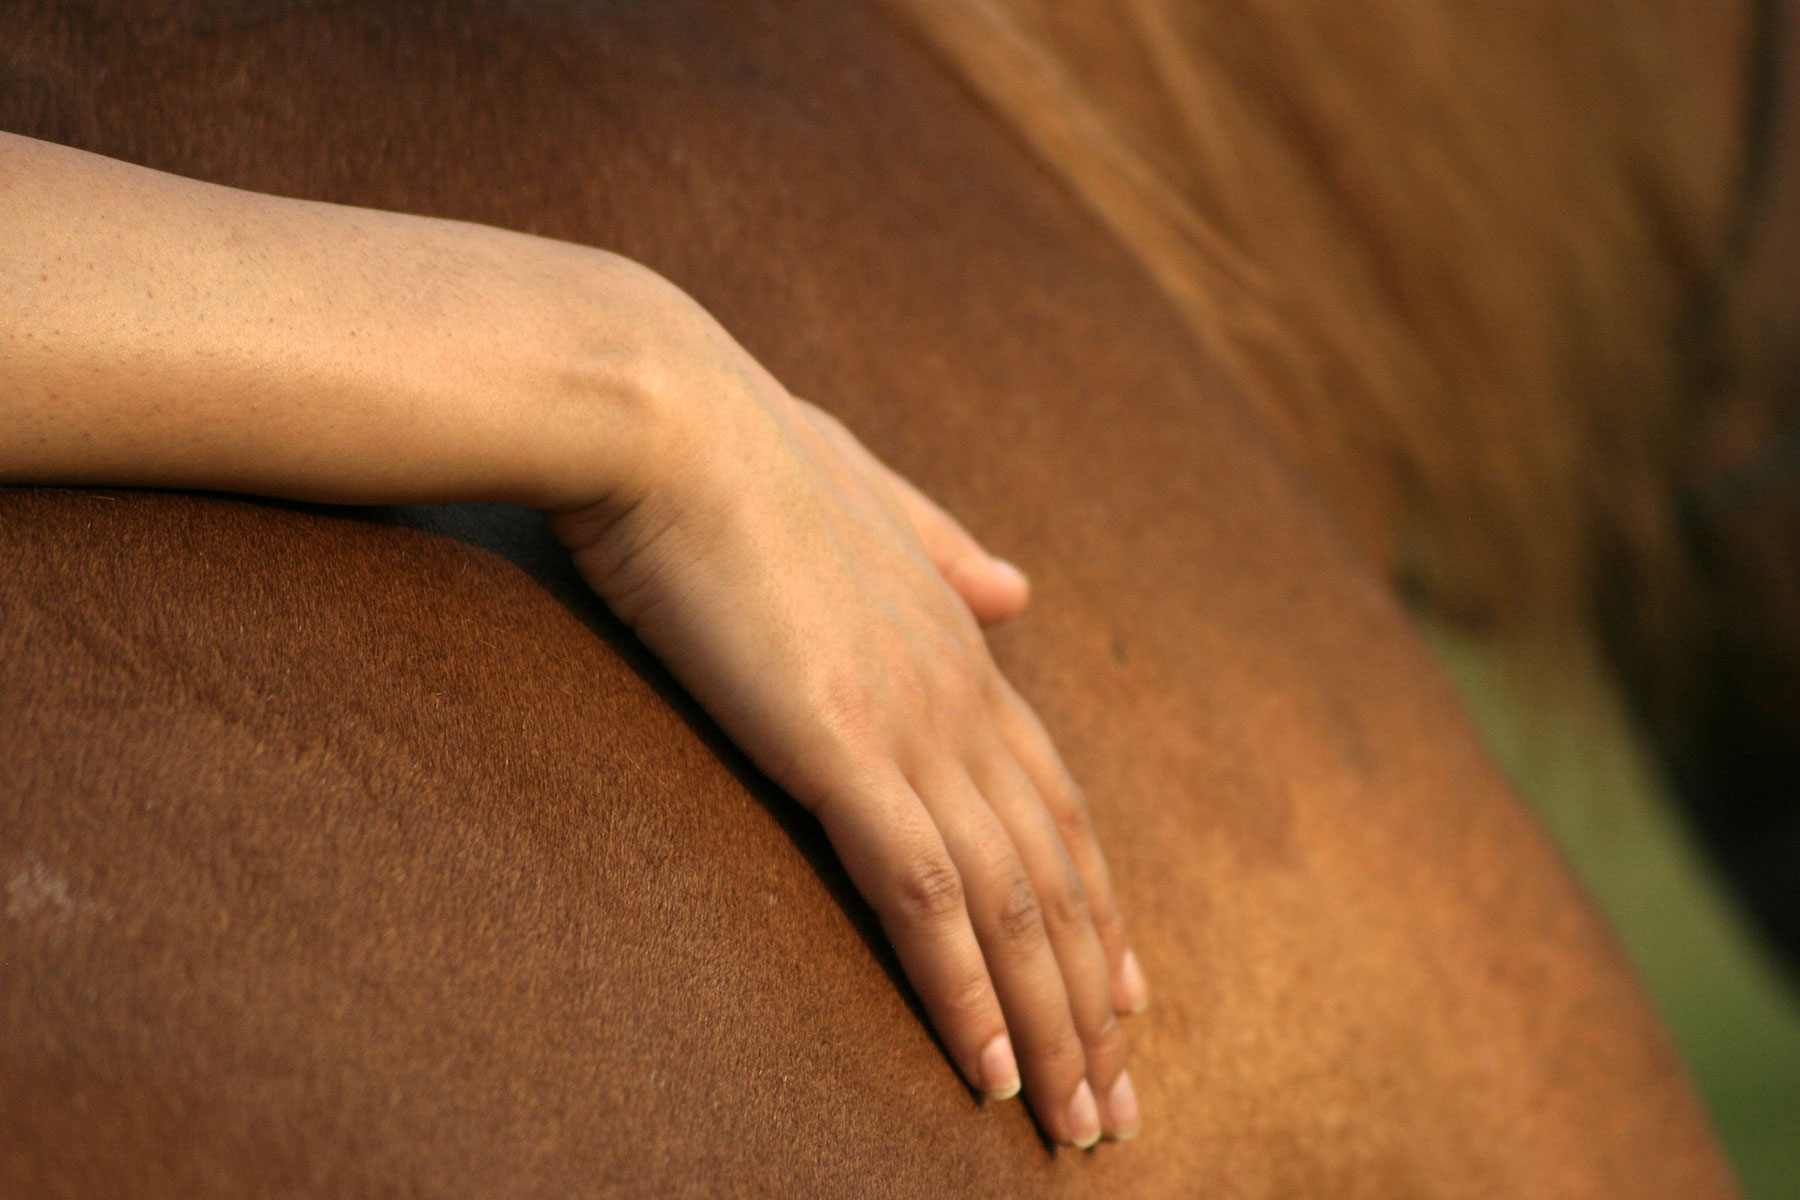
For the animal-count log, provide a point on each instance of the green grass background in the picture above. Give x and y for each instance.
(1574, 755)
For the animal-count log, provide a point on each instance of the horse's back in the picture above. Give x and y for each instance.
(342, 858)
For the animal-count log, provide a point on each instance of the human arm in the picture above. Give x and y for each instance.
(162, 332)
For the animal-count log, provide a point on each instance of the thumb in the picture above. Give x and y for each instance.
(993, 588)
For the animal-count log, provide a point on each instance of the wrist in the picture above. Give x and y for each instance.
(616, 363)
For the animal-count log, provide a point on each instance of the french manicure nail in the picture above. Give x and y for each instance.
(1122, 1120)
(1084, 1118)
(1131, 982)
(999, 1069)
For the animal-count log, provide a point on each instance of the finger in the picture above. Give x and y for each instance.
(895, 856)
(1085, 971)
(1062, 796)
(1009, 922)
(994, 589)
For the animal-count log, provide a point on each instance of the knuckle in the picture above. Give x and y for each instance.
(1071, 820)
(1106, 1043)
(972, 1000)
(849, 711)
(1021, 916)
(1069, 901)
(1064, 1057)
(930, 889)
(1104, 1051)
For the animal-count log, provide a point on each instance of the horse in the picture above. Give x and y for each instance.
(359, 853)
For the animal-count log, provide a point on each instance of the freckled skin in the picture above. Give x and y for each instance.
(421, 886)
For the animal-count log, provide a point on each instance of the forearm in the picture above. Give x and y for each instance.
(163, 332)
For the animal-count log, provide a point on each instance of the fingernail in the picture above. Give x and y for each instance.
(999, 1069)
(1131, 982)
(1122, 1119)
(1017, 576)
(1084, 1118)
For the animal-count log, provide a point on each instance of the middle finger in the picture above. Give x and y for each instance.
(1068, 920)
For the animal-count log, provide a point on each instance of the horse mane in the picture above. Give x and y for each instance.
(1452, 253)
(344, 859)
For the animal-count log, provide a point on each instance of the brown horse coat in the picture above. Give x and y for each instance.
(342, 859)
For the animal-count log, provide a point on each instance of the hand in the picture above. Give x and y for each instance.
(825, 613)
(821, 609)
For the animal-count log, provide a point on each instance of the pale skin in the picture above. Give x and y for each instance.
(161, 332)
